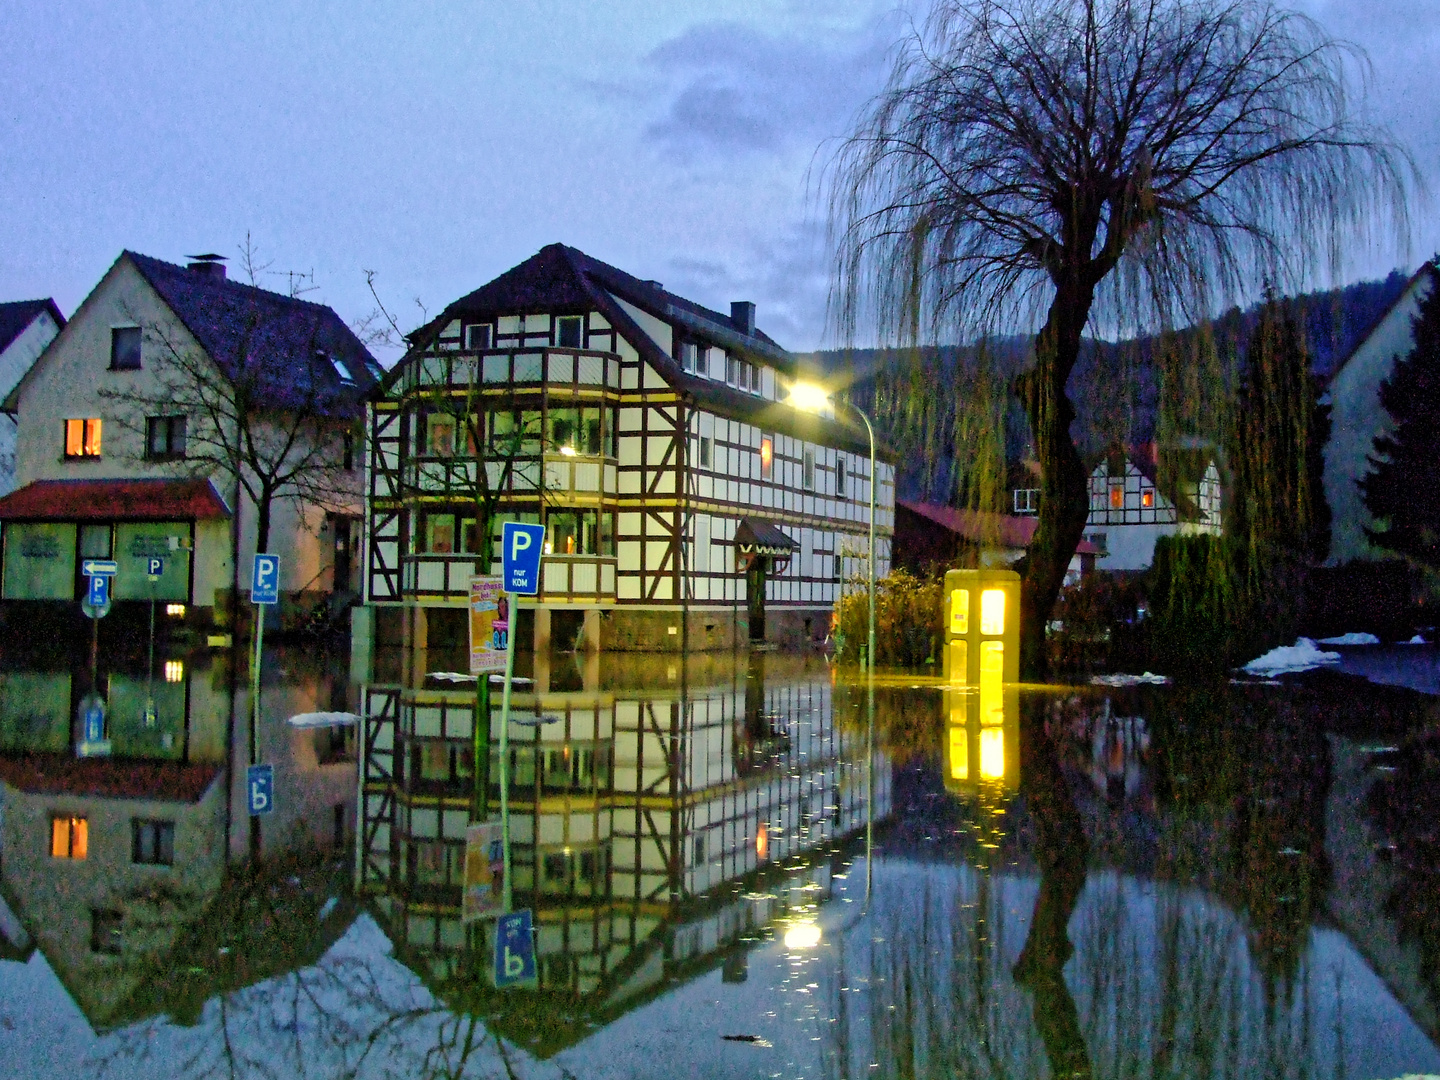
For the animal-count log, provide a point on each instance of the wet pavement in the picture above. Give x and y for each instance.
(1149, 882)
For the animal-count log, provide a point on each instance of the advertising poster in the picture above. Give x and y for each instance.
(488, 625)
(484, 893)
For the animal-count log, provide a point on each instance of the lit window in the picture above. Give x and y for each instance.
(174, 669)
(69, 837)
(177, 610)
(125, 348)
(152, 843)
(960, 611)
(992, 611)
(1147, 498)
(568, 331)
(164, 437)
(82, 438)
(762, 841)
(767, 457)
(1117, 497)
(992, 674)
(959, 753)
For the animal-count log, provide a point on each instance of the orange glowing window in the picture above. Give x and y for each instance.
(82, 438)
(69, 837)
(767, 457)
(1117, 497)
(762, 841)
(1147, 498)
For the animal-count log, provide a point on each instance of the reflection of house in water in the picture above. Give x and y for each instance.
(106, 860)
(630, 809)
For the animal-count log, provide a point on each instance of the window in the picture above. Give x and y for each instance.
(767, 458)
(1026, 500)
(840, 479)
(82, 438)
(808, 479)
(440, 435)
(152, 842)
(699, 856)
(564, 429)
(164, 437)
(612, 434)
(579, 532)
(105, 931)
(1117, 497)
(440, 533)
(732, 369)
(125, 348)
(1147, 498)
(69, 837)
(704, 452)
(477, 337)
(568, 329)
(688, 355)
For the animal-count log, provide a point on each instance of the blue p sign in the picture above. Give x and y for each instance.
(98, 593)
(154, 567)
(95, 721)
(260, 788)
(520, 548)
(265, 580)
(514, 949)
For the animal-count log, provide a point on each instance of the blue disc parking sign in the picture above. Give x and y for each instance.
(514, 948)
(520, 550)
(97, 593)
(260, 788)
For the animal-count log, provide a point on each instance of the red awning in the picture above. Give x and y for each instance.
(108, 500)
(60, 774)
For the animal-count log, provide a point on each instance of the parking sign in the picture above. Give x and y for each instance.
(98, 593)
(520, 549)
(265, 580)
(514, 949)
(260, 788)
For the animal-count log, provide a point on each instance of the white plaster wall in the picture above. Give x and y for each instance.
(1357, 417)
(15, 361)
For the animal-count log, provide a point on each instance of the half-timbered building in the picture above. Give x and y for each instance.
(687, 503)
(1132, 506)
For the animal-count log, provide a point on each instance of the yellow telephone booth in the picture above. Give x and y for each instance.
(981, 617)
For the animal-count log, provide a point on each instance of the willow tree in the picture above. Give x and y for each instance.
(1117, 163)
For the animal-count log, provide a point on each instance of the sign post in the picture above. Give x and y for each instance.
(520, 550)
(264, 590)
(515, 949)
(96, 604)
(260, 789)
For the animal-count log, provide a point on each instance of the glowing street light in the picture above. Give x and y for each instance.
(810, 398)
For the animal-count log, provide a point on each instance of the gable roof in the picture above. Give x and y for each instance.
(16, 315)
(1012, 531)
(559, 279)
(294, 345)
(1431, 269)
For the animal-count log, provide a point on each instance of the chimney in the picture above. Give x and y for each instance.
(742, 314)
(209, 265)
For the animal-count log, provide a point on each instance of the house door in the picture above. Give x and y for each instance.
(755, 575)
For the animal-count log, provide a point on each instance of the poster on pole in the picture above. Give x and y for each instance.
(484, 891)
(489, 627)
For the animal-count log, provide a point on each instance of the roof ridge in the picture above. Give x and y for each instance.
(227, 282)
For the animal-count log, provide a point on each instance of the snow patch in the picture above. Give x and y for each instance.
(1417, 640)
(1350, 639)
(1129, 680)
(1302, 656)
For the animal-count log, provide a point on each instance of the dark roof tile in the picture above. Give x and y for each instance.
(16, 315)
(109, 500)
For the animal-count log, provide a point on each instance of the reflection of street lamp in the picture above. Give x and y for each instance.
(813, 399)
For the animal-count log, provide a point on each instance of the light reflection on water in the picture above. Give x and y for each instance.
(1154, 883)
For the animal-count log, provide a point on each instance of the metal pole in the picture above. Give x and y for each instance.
(150, 671)
(514, 624)
(255, 720)
(870, 677)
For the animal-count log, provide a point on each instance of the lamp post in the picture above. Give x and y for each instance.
(810, 398)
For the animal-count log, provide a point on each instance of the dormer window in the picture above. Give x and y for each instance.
(689, 355)
(477, 336)
(569, 331)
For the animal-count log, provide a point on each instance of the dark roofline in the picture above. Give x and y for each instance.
(1430, 266)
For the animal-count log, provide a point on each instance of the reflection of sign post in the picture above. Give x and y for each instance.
(484, 894)
(489, 628)
(520, 548)
(264, 589)
(93, 742)
(514, 949)
(260, 789)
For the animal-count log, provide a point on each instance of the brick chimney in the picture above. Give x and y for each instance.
(209, 265)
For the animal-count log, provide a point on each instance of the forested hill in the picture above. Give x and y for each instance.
(1115, 386)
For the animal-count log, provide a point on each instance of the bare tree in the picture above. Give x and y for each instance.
(1128, 161)
(269, 430)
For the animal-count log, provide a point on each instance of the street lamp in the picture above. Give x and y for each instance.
(810, 398)
(813, 399)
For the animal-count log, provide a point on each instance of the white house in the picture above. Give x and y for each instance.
(687, 502)
(26, 327)
(1129, 510)
(1357, 417)
(99, 476)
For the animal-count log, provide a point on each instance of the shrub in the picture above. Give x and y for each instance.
(907, 619)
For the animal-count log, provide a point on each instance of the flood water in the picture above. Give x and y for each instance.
(1062, 881)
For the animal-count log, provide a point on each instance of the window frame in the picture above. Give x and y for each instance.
(169, 453)
(91, 428)
(139, 348)
(807, 469)
(76, 826)
(161, 848)
(566, 322)
(470, 334)
(841, 478)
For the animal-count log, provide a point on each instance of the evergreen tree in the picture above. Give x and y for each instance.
(1402, 491)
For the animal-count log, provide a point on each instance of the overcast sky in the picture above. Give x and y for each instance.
(441, 143)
